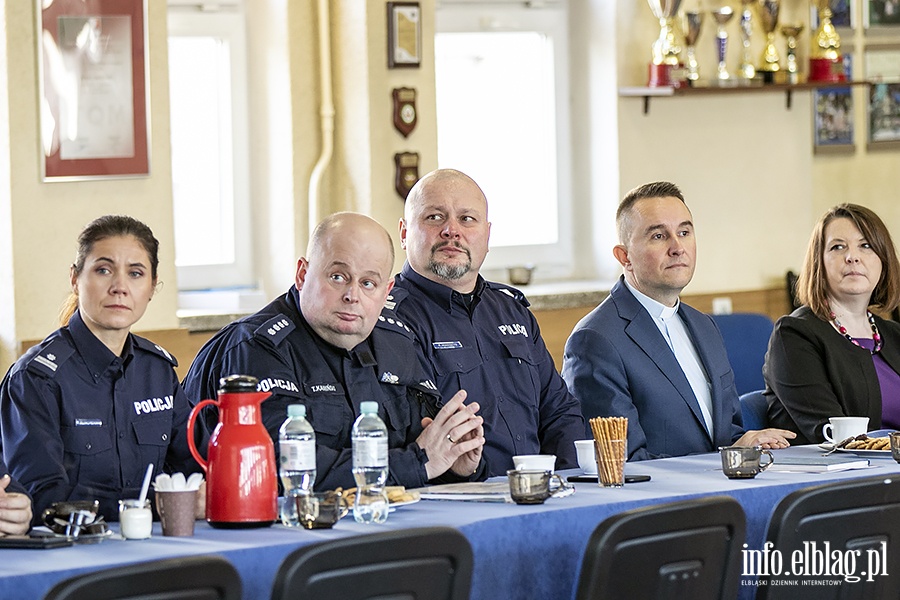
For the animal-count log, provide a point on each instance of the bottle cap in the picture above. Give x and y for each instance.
(296, 410)
(368, 407)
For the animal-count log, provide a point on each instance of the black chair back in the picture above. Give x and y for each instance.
(188, 578)
(432, 563)
(687, 549)
(859, 520)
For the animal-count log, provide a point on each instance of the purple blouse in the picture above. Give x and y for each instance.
(889, 380)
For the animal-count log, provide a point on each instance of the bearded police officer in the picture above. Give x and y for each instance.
(325, 344)
(477, 335)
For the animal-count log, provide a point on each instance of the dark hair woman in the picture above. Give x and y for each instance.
(84, 412)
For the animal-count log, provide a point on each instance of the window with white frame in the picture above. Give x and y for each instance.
(210, 170)
(501, 73)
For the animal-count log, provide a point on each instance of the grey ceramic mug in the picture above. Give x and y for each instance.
(743, 462)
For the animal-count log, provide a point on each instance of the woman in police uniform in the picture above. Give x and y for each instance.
(83, 413)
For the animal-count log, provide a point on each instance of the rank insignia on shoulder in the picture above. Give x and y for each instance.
(275, 329)
(50, 357)
(388, 377)
(392, 322)
(154, 348)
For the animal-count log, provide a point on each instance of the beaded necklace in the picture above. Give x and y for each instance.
(876, 337)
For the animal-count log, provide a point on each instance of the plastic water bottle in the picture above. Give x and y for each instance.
(370, 465)
(297, 447)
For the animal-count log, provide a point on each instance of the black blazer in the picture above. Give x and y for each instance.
(812, 372)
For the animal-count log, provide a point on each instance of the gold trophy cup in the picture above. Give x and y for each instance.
(825, 60)
(690, 24)
(792, 68)
(665, 48)
(768, 17)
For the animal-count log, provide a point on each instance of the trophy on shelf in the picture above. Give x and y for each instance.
(825, 60)
(665, 49)
(768, 17)
(722, 16)
(792, 68)
(691, 21)
(747, 70)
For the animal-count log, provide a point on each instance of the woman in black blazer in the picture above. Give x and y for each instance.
(832, 357)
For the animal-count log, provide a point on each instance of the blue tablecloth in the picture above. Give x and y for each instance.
(520, 552)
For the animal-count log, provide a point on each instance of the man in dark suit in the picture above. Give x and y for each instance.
(644, 355)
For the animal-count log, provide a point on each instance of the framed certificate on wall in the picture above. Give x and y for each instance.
(93, 89)
(404, 34)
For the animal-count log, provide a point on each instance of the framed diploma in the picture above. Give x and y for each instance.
(404, 34)
(93, 89)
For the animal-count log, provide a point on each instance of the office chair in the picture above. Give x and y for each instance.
(855, 515)
(186, 578)
(790, 281)
(754, 410)
(687, 549)
(430, 563)
(746, 338)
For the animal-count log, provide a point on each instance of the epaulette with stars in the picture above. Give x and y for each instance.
(275, 330)
(48, 359)
(510, 291)
(153, 348)
(389, 321)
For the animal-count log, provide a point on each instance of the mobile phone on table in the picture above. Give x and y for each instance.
(593, 478)
(35, 542)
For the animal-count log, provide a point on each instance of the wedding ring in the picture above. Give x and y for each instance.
(452, 441)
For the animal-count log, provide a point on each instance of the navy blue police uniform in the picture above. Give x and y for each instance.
(490, 345)
(14, 486)
(277, 346)
(80, 423)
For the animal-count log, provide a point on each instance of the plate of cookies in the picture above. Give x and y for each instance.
(397, 495)
(873, 446)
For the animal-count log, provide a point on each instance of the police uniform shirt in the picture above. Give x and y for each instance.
(278, 346)
(80, 423)
(13, 486)
(491, 347)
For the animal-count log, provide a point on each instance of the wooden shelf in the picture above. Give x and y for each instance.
(706, 90)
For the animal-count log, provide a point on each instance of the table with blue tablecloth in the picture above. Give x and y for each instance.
(520, 552)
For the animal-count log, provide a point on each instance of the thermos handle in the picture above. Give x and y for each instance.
(190, 431)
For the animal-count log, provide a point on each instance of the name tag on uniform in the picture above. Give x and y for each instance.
(88, 423)
(446, 345)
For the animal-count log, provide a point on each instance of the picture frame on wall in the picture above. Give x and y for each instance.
(93, 89)
(883, 113)
(404, 34)
(833, 123)
(882, 13)
(843, 14)
(833, 115)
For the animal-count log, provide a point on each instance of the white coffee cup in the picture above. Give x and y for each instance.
(839, 429)
(535, 462)
(587, 456)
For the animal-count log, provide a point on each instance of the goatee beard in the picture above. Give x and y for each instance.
(450, 272)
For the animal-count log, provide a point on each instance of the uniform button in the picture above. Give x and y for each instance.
(121, 435)
(519, 438)
(87, 446)
(165, 436)
(128, 483)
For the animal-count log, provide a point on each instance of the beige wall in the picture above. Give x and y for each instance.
(744, 161)
(46, 217)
